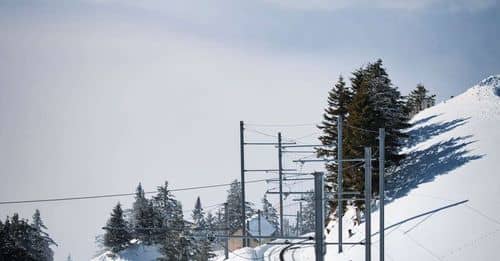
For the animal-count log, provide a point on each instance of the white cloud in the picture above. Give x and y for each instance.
(327, 5)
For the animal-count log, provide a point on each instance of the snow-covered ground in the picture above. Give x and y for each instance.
(444, 204)
(135, 252)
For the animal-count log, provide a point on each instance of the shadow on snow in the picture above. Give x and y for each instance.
(423, 166)
(426, 132)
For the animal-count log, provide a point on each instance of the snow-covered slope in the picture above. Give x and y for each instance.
(444, 204)
(136, 252)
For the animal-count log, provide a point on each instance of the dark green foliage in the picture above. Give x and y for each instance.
(203, 248)
(117, 236)
(339, 99)
(143, 221)
(234, 207)
(374, 103)
(418, 100)
(20, 240)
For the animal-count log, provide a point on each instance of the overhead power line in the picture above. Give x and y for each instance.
(118, 194)
(283, 125)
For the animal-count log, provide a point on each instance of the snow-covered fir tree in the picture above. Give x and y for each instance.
(164, 204)
(419, 100)
(339, 99)
(41, 239)
(143, 217)
(20, 240)
(117, 237)
(200, 232)
(270, 213)
(307, 218)
(171, 229)
(372, 102)
(234, 207)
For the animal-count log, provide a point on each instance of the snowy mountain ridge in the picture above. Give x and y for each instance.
(443, 202)
(492, 81)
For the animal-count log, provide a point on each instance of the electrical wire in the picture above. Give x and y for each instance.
(282, 125)
(361, 129)
(120, 194)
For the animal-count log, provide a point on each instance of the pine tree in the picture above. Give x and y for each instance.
(234, 207)
(164, 204)
(178, 243)
(20, 240)
(418, 100)
(143, 217)
(270, 213)
(41, 241)
(338, 100)
(117, 236)
(213, 230)
(198, 215)
(200, 231)
(307, 218)
(170, 224)
(376, 104)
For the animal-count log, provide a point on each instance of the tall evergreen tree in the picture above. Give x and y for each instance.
(20, 240)
(234, 207)
(339, 98)
(178, 245)
(143, 217)
(213, 230)
(41, 241)
(171, 224)
(164, 204)
(200, 231)
(307, 218)
(270, 213)
(419, 100)
(372, 102)
(376, 104)
(117, 236)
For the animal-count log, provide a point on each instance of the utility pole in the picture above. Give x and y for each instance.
(368, 195)
(260, 228)
(381, 166)
(339, 179)
(226, 217)
(319, 217)
(297, 224)
(280, 173)
(242, 160)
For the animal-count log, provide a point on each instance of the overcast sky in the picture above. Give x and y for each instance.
(96, 96)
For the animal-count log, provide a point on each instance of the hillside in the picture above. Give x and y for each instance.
(444, 201)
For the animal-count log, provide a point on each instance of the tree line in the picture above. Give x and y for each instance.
(159, 221)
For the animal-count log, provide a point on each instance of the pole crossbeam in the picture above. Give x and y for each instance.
(267, 170)
(330, 160)
(306, 146)
(290, 192)
(266, 143)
